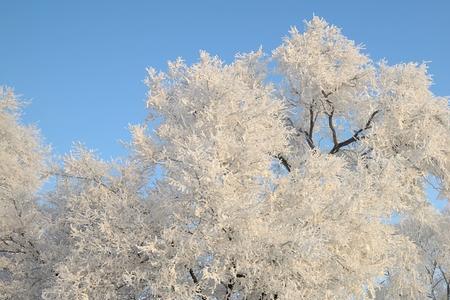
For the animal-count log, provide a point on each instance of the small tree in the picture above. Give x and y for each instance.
(106, 220)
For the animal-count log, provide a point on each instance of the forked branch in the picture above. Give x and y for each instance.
(356, 136)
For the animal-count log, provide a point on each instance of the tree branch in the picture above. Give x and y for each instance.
(312, 122)
(284, 162)
(333, 130)
(309, 140)
(229, 288)
(12, 251)
(195, 280)
(355, 137)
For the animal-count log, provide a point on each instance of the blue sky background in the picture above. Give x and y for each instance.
(82, 63)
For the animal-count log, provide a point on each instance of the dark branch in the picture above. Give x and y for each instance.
(333, 130)
(355, 137)
(309, 140)
(325, 95)
(229, 288)
(194, 278)
(12, 251)
(284, 162)
(312, 122)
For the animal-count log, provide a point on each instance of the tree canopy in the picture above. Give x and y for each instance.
(300, 174)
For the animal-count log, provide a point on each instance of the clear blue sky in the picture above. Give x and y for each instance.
(82, 63)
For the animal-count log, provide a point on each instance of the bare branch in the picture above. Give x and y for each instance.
(195, 280)
(355, 137)
(12, 251)
(284, 162)
(312, 121)
(333, 130)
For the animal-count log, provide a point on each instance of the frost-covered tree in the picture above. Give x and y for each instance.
(432, 237)
(104, 218)
(24, 255)
(287, 191)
